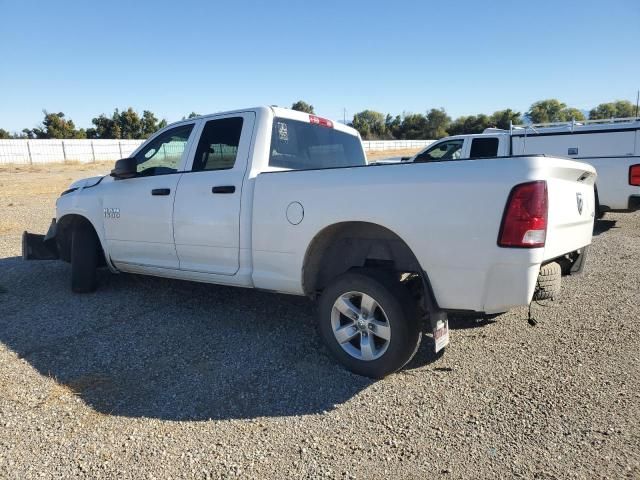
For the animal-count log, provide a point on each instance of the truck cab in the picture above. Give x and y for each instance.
(459, 147)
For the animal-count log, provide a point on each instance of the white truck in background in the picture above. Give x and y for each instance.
(611, 146)
(280, 200)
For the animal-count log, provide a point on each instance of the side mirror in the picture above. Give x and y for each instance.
(125, 168)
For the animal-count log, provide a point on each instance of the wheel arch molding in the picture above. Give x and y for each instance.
(66, 224)
(342, 246)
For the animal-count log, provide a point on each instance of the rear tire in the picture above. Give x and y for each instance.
(549, 282)
(382, 332)
(599, 213)
(84, 260)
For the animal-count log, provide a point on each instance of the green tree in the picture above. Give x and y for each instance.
(393, 126)
(470, 124)
(370, 124)
(552, 110)
(130, 124)
(126, 124)
(413, 126)
(569, 113)
(4, 134)
(545, 111)
(504, 118)
(55, 125)
(105, 127)
(149, 124)
(437, 123)
(302, 106)
(617, 109)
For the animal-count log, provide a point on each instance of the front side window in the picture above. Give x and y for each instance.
(163, 154)
(218, 145)
(299, 145)
(449, 150)
(484, 147)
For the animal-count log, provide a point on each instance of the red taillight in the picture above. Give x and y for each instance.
(634, 175)
(323, 122)
(524, 223)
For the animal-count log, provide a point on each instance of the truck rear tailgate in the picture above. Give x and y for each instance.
(571, 206)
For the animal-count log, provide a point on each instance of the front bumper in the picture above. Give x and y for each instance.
(41, 247)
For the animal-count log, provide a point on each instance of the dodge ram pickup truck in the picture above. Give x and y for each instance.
(612, 147)
(280, 200)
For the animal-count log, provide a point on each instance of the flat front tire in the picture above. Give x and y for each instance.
(84, 260)
(369, 323)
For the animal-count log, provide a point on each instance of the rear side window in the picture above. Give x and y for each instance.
(302, 146)
(484, 147)
(218, 146)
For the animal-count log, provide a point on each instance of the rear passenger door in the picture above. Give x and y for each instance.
(206, 214)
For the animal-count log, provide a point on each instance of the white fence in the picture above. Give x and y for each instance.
(88, 151)
(380, 145)
(59, 151)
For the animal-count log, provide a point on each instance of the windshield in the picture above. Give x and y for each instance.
(302, 146)
(449, 150)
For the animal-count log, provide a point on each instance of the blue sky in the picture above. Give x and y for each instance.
(85, 58)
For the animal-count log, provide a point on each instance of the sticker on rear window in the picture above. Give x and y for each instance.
(283, 132)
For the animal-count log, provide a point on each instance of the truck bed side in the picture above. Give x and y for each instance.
(448, 214)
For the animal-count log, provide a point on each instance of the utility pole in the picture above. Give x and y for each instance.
(344, 115)
(637, 101)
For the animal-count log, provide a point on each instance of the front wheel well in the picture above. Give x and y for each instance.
(65, 226)
(344, 246)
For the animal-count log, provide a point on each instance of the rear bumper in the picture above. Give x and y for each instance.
(41, 247)
(512, 285)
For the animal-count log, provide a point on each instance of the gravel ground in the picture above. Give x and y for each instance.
(154, 378)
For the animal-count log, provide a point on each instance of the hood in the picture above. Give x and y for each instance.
(85, 182)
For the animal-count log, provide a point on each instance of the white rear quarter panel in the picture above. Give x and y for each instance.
(448, 213)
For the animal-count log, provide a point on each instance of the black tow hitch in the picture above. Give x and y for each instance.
(40, 247)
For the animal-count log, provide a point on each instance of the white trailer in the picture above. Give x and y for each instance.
(611, 146)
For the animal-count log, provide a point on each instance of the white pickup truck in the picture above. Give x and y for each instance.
(611, 146)
(284, 201)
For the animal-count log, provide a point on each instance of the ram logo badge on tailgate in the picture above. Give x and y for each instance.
(579, 200)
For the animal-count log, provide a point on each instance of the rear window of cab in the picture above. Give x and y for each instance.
(297, 145)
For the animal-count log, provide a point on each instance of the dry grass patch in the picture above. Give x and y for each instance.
(55, 167)
(9, 226)
(37, 180)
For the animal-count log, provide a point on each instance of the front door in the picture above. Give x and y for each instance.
(207, 206)
(138, 211)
